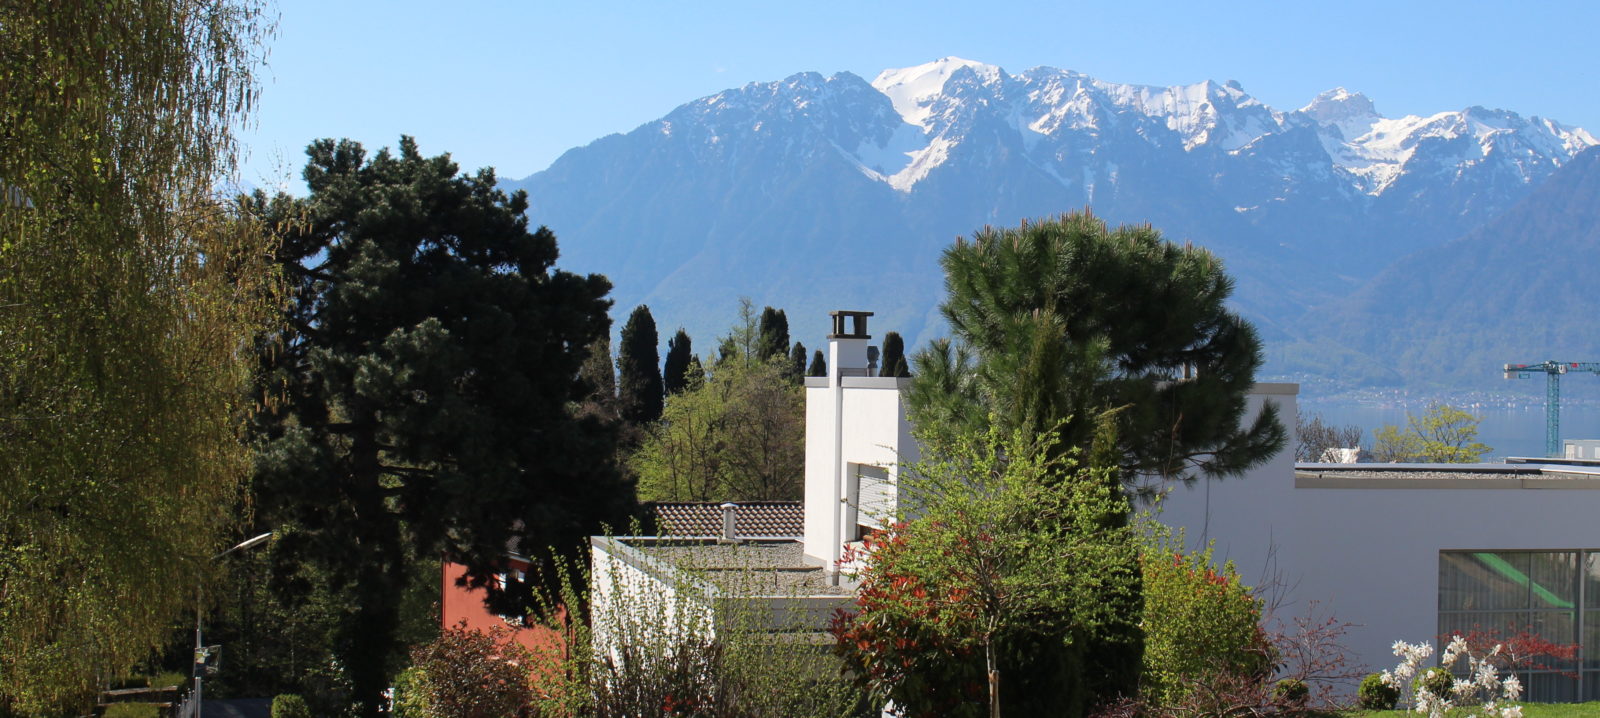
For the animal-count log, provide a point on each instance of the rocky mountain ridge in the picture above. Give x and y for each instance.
(815, 193)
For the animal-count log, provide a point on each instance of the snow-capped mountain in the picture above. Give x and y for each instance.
(816, 192)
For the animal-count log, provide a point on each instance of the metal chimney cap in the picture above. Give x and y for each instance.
(858, 322)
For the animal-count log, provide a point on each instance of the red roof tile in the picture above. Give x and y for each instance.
(751, 518)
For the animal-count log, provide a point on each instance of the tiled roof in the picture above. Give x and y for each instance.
(751, 518)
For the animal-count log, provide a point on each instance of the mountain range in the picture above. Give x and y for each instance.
(814, 193)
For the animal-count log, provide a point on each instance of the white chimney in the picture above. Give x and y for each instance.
(847, 346)
(730, 513)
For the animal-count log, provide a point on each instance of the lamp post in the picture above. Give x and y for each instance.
(199, 647)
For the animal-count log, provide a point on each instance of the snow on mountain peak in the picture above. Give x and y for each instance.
(911, 88)
(1351, 112)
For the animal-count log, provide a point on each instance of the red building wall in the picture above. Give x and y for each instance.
(461, 604)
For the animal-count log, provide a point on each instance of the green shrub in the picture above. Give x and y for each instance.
(410, 697)
(132, 710)
(1292, 691)
(289, 705)
(1199, 621)
(1377, 695)
(1437, 681)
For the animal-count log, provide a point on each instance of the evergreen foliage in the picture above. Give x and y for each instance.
(289, 705)
(639, 383)
(675, 372)
(819, 366)
(1065, 319)
(1119, 340)
(774, 334)
(423, 388)
(893, 362)
(796, 370)
(128, 290)
(600, 382)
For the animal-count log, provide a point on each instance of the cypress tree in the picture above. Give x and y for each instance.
(675, 372)
(639, 387)
(774, 336)
(819, 366)
(797, 361)
(894, 356)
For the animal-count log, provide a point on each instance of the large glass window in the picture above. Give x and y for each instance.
(1545, 597)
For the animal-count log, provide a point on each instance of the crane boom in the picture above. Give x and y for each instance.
(1552, 401)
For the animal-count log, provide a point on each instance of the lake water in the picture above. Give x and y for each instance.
(1510, 432)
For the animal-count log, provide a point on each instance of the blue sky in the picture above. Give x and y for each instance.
(514, 84)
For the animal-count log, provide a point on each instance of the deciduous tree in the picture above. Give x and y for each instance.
(738, 435)
(994, 550)
(128, 290)
(1443, 434)
(423, 388)
(1313, 437)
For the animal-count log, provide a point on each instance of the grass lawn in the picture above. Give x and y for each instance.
(1529, 710)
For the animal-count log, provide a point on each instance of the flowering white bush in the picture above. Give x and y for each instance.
(1481, 694)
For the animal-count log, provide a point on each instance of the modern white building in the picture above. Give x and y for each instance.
(1404, 552)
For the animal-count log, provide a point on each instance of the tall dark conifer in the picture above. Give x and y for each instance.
(894, 356)
(675, 371)
(639, 386)
(819, 366)
(774, 337)
(429, 358)
(797, 361)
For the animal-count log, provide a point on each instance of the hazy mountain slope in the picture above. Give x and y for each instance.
(816, 193)
(1514, 290)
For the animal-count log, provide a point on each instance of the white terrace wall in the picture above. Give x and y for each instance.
(1368, 550)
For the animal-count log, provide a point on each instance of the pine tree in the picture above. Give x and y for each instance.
(639, 385)
(675, 372)
(1120, 341)
(1062, 320)
(894, 356)
(774, 333)
(819, 366)
(423, 388)
(797, 362)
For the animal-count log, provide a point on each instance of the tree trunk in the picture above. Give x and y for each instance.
(994, 679)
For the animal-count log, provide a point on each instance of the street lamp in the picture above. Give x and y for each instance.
(199, 647)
